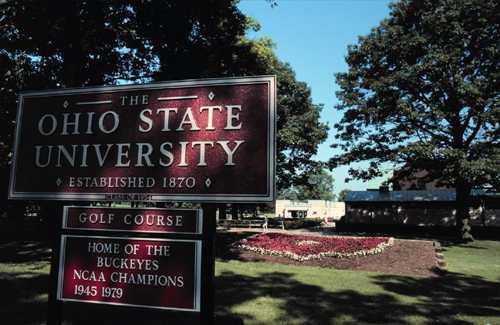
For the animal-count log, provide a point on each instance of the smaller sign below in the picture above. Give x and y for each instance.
(144, 220)
(139, 272)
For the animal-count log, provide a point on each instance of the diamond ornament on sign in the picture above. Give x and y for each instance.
(208, 182)
(65, 104)
(59, 181)
(211, 96)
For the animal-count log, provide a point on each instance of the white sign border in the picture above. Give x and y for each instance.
(197, 273)
(199, 221)
(159, 197)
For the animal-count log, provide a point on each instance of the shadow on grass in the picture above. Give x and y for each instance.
(24, 251)
(23, 298)
(446, 298)
(465, 246)
(439, 299)
(443, 298)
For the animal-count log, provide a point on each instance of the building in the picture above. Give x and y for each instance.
(419, 207)
(319, 209)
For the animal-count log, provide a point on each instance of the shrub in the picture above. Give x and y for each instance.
(301, 223)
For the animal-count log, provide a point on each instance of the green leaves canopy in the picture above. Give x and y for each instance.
(319, 187)
(50, 44)
(422, 90)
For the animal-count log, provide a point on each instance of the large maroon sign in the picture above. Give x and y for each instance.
(153, 273)
(208, 140)
(139, 220)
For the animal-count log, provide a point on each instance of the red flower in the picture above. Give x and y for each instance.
(313, 247)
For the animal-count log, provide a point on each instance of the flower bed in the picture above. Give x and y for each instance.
(303, 248)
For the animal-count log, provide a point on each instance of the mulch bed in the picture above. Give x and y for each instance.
(404, 257)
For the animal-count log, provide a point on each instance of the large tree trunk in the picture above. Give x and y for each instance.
(72, 52)
(462, 212)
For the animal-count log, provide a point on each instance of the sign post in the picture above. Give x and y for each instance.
(208, 265)
(203, 141)
(54, 310)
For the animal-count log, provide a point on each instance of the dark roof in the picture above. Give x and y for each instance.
(401, 196)
(485, 192)
(412, 196)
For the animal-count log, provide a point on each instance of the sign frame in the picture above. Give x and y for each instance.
(270, 80)
(197, 273)
(199, 221)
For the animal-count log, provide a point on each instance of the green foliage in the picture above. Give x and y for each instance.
(319, 186)
(302, 223)
(306, 295)
(422, 90)
(191, 39)
(72, 43)
(299, 131)
(51, 44)
(342, 195)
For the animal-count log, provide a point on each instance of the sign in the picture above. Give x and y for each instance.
(139, 220)
(200, 140)
(140, 272)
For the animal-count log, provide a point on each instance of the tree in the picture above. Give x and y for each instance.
(299, 129)
(190, 38)
(51, 44)
(343, 195)
(319, 187)
(422, 90)
(210, 42)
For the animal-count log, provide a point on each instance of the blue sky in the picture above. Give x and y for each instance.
(313, 37)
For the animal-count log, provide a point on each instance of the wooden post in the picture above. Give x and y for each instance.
(54, 213)
(207, 312)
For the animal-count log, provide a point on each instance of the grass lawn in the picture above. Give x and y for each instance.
(480, 258)
(24, 277)
(259, 293)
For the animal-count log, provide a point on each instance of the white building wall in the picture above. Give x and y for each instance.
(311, 208)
